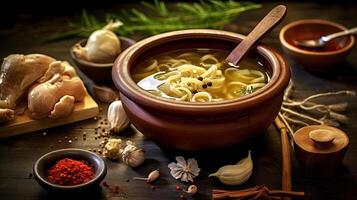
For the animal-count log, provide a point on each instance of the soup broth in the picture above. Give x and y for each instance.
(198, 75)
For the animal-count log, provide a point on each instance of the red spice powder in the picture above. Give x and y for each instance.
(70, 172)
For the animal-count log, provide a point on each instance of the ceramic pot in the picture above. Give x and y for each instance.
(199, 126)
(316, 60)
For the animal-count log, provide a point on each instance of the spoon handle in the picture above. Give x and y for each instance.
(339, 34)
(263, 27)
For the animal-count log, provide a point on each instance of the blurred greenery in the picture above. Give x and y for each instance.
(156, 18)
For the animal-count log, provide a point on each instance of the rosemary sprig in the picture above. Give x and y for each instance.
(158, 18)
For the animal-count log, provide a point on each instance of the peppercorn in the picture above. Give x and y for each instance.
(209, 84)
(204, 86)
(194, 91)
(105, 184)
(200, 78)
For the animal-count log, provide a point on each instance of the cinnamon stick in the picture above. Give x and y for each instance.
(286, 156)
(258, 192)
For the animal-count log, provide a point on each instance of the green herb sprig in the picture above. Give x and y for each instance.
(158, 18)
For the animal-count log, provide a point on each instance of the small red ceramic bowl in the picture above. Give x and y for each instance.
(198, 126)
(315, 59)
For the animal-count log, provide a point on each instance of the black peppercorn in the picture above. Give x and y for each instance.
(200, 78)
(209, 84)
(204, 86)
(194, 91)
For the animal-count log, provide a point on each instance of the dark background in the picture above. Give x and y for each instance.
(12, 11)
(25, 24)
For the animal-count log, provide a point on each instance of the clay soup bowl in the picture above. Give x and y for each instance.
(199, 126)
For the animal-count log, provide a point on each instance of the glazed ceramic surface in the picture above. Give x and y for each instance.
(315, 59)
(198, 126)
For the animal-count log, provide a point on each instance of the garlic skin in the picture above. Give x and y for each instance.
(102, 46)
(235, 174)
(117, 117)
(113, 149)
(133, 155)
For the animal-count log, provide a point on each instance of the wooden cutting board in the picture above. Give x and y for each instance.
(86, 109)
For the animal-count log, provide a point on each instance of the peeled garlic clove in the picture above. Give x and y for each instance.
(117, 117)
(112, 149)
(235, 174)
(102, 46)
(133, 155)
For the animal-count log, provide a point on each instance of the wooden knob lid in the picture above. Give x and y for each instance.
(321, 139)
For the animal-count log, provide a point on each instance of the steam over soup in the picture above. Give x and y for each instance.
(198, 75)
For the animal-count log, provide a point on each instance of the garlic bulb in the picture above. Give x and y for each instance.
(102, 46)
(235, 174)
(117, 117)
(113, 149)
(133, 155)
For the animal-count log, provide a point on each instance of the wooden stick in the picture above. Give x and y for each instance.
(285, 193)
(286, 156)
(258, 192)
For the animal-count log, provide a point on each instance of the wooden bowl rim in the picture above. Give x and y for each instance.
(314, 53)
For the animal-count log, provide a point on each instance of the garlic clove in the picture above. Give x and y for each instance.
(153, 176)
(192, 190)
(112, 149)
(117, 117)
(235, 174)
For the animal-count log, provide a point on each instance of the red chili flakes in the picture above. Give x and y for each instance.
(70, 172)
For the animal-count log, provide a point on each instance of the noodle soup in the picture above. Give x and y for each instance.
(199, 75)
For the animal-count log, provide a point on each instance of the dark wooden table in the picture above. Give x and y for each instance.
(18, 154)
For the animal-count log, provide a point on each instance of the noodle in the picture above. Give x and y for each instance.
(199, 76)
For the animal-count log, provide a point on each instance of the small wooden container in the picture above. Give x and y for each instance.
(320, 149)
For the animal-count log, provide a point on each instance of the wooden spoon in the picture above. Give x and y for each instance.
(261, 29)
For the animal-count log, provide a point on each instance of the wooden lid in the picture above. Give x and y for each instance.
(321, 139)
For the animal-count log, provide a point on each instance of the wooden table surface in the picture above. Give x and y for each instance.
(18, 154)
